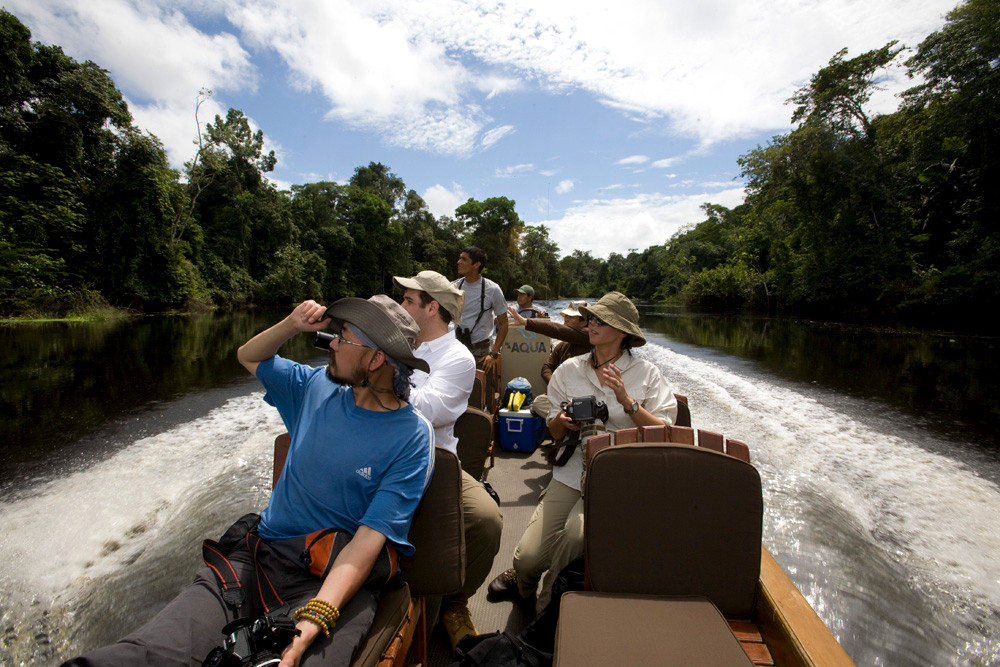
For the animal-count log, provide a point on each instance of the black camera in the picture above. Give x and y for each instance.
(586, 409)
(464, 336)
(252, 643)
(323, 340)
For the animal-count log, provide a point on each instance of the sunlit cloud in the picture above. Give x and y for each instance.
(565, 186)
(514, 170)
(494, 135)
(665, 163)
(633, 159)
(443, 201)
(621, 224)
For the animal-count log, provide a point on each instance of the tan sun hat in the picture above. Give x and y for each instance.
(573, 309)
(614, 308)
(384, 322)
(440, 288)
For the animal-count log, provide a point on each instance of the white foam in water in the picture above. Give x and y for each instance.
(933, 514)
(68, 524)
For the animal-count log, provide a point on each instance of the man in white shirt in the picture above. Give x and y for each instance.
(442, 396)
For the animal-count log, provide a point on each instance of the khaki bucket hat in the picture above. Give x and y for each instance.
(384, 322)
(440, 288)
(615, 309)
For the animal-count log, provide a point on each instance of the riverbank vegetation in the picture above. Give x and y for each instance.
(849, 214)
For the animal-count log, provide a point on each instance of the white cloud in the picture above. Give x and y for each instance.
(710, 70)
(633, 159)
(604, 226)
(666, 162)
(494, 135)
(376, 72)
(565, 186)
(442, 201)
(513, 170)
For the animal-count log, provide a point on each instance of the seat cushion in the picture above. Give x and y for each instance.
(389, 617)
(608, 629)
(674, 520)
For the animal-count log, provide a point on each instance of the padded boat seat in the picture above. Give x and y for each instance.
(662, 521)
(474, 430)
(608, 629)
(669, 519)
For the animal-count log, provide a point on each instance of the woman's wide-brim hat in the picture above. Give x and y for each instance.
(615, 309)
(384, 322)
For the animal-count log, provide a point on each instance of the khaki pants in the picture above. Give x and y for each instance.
(552, 540)
(483, 525)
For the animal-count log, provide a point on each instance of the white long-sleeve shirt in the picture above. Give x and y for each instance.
(443, 395)
(575, 378)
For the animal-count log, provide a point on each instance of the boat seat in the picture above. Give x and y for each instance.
(703, 539)
(683, 411)
(437, 566)
(477, 399)
(474, 430)
(688, 632)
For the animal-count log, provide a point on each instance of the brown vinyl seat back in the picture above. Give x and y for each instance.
(474, 430)
(437, 566)
(683, 411)
(477, 399)
(667, 519)
(437, 532)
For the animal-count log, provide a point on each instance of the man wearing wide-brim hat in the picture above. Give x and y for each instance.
(359, 462)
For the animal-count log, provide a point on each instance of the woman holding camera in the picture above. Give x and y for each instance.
(636, 394)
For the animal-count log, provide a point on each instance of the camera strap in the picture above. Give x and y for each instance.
(241, 533)
(558, 456)
(482, 303)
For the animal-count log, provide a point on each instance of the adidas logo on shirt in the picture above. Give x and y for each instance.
(365, 472)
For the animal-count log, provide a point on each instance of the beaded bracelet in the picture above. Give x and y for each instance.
(320, 612)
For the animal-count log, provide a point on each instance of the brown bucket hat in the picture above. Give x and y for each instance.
(384, 322)
(615, 309)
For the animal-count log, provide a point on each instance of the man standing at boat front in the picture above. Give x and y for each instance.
(359, 462)
(443, 396)
(484, 300)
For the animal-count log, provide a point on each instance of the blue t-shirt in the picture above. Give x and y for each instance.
(346, 466)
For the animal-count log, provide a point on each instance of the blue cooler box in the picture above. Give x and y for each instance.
(520, 431)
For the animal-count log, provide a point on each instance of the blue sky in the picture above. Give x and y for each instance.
(610, 123)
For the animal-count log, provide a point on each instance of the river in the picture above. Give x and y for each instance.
(124, 445)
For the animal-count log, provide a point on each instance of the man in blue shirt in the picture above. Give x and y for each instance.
(359, 462)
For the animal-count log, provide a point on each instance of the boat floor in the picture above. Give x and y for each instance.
(519, 480)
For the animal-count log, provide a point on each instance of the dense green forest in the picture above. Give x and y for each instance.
(847, 215)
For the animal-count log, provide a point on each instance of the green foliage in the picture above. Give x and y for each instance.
(496, 228)
(849, 213)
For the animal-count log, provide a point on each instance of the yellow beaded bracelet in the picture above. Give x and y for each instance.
(303, 614)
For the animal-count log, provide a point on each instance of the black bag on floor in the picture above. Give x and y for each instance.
(499, 649)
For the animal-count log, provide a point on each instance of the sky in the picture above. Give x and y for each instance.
(609, 123)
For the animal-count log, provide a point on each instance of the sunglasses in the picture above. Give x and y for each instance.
(323, 340)
(592, 319)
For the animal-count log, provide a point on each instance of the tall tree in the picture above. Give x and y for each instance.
(496, 228)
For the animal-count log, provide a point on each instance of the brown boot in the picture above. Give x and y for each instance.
(457, 621)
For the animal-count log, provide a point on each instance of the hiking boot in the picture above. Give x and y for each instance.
(504, 587)
(457, 621)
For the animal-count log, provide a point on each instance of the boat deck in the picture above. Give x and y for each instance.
(518, 479)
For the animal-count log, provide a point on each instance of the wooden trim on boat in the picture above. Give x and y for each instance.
(789, 625)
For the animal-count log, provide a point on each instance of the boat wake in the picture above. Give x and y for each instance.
(873, 521)
(101, 549)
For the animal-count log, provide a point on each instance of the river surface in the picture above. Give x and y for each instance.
(124, 445)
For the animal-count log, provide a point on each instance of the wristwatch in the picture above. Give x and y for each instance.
(494, 354)
(634, 408)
